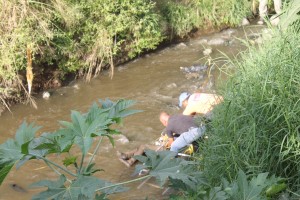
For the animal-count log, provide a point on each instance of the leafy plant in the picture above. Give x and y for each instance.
(244, 187)
(76, 180)
(164, 165)
(82, 131)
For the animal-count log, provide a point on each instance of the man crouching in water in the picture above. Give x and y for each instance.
(181, 131)
(183, 128)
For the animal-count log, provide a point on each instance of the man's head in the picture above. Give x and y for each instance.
(183, 99)
(164, 117)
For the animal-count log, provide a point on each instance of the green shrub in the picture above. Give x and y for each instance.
(185, 15)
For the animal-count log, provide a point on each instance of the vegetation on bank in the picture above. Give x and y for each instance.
(253, 146)
(256, 129)
(42, 41)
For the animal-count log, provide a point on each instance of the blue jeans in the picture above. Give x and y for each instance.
(187, 138)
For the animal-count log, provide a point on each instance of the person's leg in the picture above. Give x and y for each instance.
(263, 10)
(187, 138)
(275, 18)
(277, 6)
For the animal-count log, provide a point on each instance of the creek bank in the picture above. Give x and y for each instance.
(51, 78)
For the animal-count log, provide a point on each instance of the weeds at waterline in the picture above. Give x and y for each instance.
(256, 128)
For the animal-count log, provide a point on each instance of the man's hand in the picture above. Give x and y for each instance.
(168, 144)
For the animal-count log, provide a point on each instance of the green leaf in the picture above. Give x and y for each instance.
(26, 133)
(69, 160)
(58, 142)
(106, 103)
(4, 170)
(119, 109)
(243, 189)
(10, 152)
(126, 113)
(90, 170)
(84, 142)
(82, 188)
(24, 148)
(13, 151)
(111, 139)
(164, 165)
(84, 129)
(56, 189)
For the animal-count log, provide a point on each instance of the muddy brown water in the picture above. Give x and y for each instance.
(154, 81)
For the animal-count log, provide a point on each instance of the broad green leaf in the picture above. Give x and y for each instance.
(66, 124)
(82, 188)
(58, 142)
(4, 170)
(164, 165)
(95, 112)
(118, 109)
(10, 152)
(126, 113)
(84, 129)
(56, 189)
(84, 142)
(106, 103)
(26, 133)
(216, 193)
(123, 104)
(243, 189)
(78, 123)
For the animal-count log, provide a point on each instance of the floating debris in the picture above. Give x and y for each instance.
(46, 95)
(207, 52)
(193, 69)
(216, 41)
(17, 188)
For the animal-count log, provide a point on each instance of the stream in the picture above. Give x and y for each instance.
(154, 81)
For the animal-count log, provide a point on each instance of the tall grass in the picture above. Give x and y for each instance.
(256, 128)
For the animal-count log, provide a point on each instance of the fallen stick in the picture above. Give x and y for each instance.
(141, 185)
